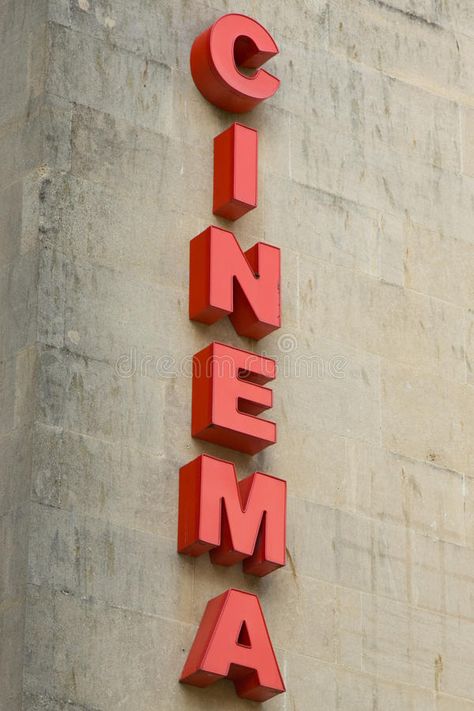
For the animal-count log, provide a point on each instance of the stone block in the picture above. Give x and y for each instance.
(382, 318)
(18, 298)
(397, 696)
(18, 17)
(428, 560)
(15, 468)
(415, 125)
(392, 244)
(409, 400)
(10, 222)
(121, 655)
(321, 225)
(401, 643)
(104, 316)
(114, 152)
(89, 397)
(119, 485)
(470, 346)
(17, 390)
(455, 676)
(321, 370)
(21, 146)
(110, 79)
(11, 656)
(457, 15)
(14, 557)
(350, 629)
(312, 533)
(13, 79)
(411, 494)
(124, 568)
(390, 562)
(7, 392)
(419, 53)
(439, 265)
(456, 569)
(417, 10)
(309, 679)
(59, 11)
(353, 551)
(128, 27)
(451, 703)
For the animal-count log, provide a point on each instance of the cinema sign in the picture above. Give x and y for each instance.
(235, 522)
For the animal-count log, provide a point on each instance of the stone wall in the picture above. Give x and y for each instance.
(24, 118)
(367, 186)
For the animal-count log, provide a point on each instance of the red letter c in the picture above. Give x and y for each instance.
(232, 41)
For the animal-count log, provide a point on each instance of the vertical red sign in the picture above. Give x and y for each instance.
(233, 521)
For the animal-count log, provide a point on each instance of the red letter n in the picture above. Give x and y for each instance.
(223, 281)
(233, 520)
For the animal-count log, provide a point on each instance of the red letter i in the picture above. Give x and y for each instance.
(235, 171)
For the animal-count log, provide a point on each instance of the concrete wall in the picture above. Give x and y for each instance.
(366, 184)
(24, 120)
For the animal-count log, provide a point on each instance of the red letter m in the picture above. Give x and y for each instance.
(233, 520)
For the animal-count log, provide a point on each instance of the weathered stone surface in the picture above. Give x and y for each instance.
(109, 679)
(12, 619)
(416, 10)
(18, 297)
(87, 558)
(409, 493)
(366, 184)
(439, 265)
(91, 397)
(457, 15)
(420, 53)
(450, 703)
(369, 315)
(409, 400)
(113, 483)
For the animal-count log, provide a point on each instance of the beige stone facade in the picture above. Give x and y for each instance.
(367, 186)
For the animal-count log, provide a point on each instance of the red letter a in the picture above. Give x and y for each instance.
(233, 642)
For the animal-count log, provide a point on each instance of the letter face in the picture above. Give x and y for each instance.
(228, 395)
(233, 642)
(234, 40)
(233, 520)
(235, 171)
(223, 281)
